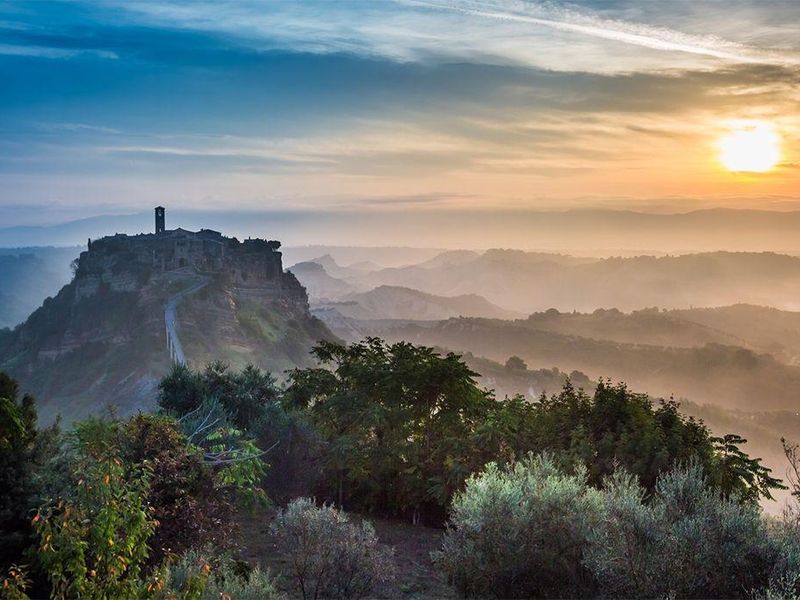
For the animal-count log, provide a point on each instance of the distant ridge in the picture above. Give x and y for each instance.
(394, 302)
(572, 230)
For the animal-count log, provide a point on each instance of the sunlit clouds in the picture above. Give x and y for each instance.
(358, 105)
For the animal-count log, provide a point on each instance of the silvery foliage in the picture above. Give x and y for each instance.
(520, 532)
(329, 556)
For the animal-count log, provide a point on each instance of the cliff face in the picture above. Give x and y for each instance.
(101, 340)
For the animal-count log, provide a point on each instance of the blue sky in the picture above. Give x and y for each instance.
(388, 105)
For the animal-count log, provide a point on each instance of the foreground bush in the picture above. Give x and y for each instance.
(329, 556)
(195, 576)
(687, 542)
(533, 531)
(521, 532)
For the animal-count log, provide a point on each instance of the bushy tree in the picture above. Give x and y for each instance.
(24, 450)
(190, 503)
(236, 412)
(515, 363)
(399, 421)
(520, 532)
(93, 539)
(535, 530)
(329, 556)
(737, 474)
(243, 394)
(617, 427)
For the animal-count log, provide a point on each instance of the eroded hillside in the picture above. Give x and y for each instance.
(101, 340)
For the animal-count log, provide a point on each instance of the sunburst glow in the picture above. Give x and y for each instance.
(752, 146)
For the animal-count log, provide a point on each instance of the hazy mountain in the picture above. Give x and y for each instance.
(528, 282)
(599, 232)
(728, 376)
(361, 258)
(320, 285)
(758, 328)
(451, 257)
(390, 302)
(768, 329)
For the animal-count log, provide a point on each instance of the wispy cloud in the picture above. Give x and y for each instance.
(49, 52)
(551, 35)
(637, 34)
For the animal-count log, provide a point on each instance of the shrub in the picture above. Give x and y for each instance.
(520, 532)
(330, 557)
(190, 506)
(686, 542)
(531, 530)
(195, 576)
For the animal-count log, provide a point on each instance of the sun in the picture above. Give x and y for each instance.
(751, 146)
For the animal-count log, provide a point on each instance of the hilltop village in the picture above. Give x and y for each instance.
(124, 262)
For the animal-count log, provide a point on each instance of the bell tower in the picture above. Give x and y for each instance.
(160, 219)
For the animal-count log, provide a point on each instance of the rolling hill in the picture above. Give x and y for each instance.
(391, 302)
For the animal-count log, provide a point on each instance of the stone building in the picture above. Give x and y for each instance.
(125, 262)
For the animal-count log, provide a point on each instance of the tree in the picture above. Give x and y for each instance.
(24, 449)
(738, 474)
(244, 395)
(93, 540)
(399, 421)
(190, 503)
(616, 427)
(515, 363)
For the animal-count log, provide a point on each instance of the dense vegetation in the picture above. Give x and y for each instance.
(583, 494)
(533, 530)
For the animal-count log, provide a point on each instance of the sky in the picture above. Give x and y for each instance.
(392, 106)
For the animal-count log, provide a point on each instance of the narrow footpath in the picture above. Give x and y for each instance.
(170, 315)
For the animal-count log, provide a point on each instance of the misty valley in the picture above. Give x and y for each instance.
(384, 389)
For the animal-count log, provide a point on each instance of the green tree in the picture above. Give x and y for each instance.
(244, 395)
(24, 450)
(400, 422)
(617, 427)
(737, 474)
(93, 540)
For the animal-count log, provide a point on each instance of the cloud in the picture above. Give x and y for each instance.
(636, 34)
(551, 35)
(52, 53)
(509, 101)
